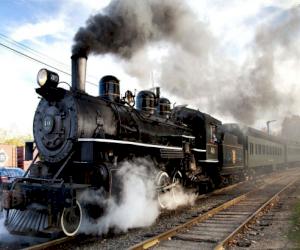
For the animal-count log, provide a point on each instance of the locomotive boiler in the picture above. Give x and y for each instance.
(82, 139)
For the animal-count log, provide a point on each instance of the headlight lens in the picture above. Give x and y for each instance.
(42, 77)
(47, 78)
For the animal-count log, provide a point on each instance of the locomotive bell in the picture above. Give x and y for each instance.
(109, 88)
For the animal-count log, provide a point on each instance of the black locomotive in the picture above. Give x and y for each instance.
(82, 139)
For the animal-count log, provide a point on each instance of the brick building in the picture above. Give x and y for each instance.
(11, 156)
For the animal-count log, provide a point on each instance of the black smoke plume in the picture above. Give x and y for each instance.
(195, 69)
(124, 27)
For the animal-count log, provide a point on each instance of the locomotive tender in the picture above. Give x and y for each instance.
(82, 139)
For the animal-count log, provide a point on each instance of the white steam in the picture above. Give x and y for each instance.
(178, 197)
(2, 227)
(5, 236)
(137, 205)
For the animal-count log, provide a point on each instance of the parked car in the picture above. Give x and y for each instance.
(9, 174)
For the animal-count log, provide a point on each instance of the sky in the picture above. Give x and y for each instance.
(48, 27)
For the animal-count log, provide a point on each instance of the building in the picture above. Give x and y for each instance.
(11, 156)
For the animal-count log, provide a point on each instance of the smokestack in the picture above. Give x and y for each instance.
(78, 72)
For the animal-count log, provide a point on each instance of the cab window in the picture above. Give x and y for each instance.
(213, 134)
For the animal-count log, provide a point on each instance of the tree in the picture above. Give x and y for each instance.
(10, 138)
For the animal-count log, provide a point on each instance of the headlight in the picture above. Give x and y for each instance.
(47, 78)
(42, 77)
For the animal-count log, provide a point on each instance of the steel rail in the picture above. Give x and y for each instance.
(172, 232)
(48, 244)
(273, 200)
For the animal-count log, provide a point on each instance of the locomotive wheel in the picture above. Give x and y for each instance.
(162, 181)
(71, 219)
(176, 180)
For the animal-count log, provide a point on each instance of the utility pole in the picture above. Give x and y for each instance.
(268, 125)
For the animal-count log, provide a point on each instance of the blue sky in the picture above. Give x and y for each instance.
(49, 26)
(19, 11)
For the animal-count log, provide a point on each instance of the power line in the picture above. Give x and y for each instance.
(38, 53)
(39, 61)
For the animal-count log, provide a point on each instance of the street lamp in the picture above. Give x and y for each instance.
(268, 125)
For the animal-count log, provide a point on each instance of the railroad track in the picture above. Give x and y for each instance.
(67, 241)
(49, 244)
(216, 228)
(56, 242)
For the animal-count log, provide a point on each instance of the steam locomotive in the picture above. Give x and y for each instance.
(82, 139)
